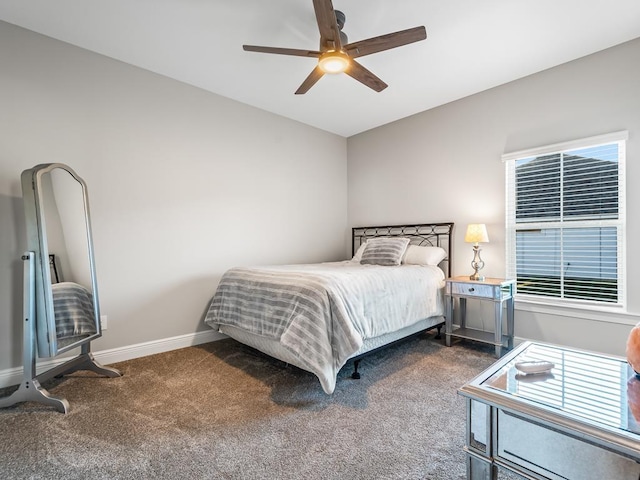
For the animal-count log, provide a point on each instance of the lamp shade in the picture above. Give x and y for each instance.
(476, 233)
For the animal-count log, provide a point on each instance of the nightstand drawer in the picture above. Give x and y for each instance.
(472, 289)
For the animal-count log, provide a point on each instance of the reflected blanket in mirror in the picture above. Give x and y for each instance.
(73, 307)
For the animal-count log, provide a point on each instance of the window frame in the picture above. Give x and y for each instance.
(509, 159)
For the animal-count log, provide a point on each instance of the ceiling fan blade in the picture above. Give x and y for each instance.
(282, 51)
(328, 25)
(364, 76)
(385, 42)
(310, 81)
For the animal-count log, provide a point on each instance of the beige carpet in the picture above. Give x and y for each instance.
(222, 410)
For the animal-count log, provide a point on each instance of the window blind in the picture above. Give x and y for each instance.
(565, 220)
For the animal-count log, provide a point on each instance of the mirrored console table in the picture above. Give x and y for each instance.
(578, 422)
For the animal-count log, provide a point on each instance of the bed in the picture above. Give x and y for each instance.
(319, 316)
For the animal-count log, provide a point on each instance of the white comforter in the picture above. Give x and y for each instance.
(321, 313)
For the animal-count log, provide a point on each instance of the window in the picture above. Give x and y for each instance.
(565, 221)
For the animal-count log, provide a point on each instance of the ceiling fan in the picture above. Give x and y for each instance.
(336, 55)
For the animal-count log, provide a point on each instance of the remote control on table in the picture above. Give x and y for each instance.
(534, 366)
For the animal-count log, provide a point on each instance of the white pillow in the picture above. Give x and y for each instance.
(418, 255)
(358, 256)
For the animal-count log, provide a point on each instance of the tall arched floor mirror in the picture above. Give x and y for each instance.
(61, 307)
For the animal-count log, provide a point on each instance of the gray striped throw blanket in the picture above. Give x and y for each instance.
(73, 308)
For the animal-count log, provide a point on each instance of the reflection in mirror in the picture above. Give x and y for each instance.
(61, 308)
(65, 219)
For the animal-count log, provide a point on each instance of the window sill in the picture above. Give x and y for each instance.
(587, 312)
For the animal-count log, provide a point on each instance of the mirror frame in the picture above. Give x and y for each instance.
(32, 192)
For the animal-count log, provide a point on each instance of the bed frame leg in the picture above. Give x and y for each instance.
(356, 375)
(438, 336)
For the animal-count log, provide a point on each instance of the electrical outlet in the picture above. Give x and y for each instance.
(103, 322)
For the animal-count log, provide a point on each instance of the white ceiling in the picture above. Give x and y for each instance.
(471, 45)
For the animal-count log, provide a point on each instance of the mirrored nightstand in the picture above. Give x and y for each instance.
(496, 290)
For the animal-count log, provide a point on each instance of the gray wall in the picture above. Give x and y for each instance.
(183, 184)
(444, 165)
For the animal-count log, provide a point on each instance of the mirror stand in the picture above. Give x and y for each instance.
(30, 389)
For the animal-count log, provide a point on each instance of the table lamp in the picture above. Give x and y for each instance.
(476, 234)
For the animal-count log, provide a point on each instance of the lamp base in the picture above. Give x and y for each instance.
(477, 264)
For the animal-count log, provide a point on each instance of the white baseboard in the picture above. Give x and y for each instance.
(13, 376)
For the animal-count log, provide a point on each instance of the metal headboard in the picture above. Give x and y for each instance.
(433, 234)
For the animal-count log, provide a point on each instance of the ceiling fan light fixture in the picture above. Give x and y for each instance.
(334, 61)
(336, 55)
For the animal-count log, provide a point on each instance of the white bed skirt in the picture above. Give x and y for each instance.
(274, 349)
